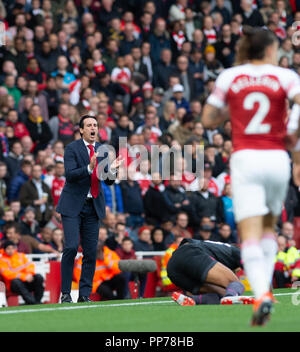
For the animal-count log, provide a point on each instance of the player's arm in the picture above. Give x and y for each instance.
(215, 111)
(212, 116)
(294, 138)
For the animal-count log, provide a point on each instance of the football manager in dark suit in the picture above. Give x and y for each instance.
(82, 206)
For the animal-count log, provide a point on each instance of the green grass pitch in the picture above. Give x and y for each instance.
(149, 315)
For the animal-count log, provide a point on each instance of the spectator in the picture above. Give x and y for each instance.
(58, 239)
(133, 201)
(19, 127)
(266, 10)
(251, 17)
(113, 197)
(225, 47)
(159, 39)
(55, 221)
(286, 50)
(36, 193)
(222, 9)
(47, 58)
(205, 233)
(196, 65)
(181, 226)
(61, 126)
(146, 58)
(20, 27)
(114, 242)
(215, 159)
(225, 207)
(185, 130)
(103, 83)
(38, 99)
(157, 97)
(143, 243)
(157, 238)
(25, 243)
(186, 77)
(212, 66)
(57, 181)
(45, 237)
(14, 159)
(192, 22)
(62, 69)
(209, 30)
(178, 98)
(154, 201)
(151, 121)
(38, 128)
(287, 266)
(164, 69)
(168, 115)
(177, 10)
(175, 197)
(143, 176)
(287, 230)
(19, 274)
(123, 129)
(17, 182)
(12, 89)
(110, 222)
(121, 74)
(225, 234)
(34, 73)
(126, 252)
(203, 204)
(28, 224)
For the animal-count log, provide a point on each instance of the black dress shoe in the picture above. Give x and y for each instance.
(66, 298)
(83, 299)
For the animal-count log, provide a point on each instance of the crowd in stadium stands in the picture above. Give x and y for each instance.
(144, 68)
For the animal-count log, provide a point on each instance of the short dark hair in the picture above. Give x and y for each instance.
(84, 117)
(12, 225)
(25, 163)
(127, 239)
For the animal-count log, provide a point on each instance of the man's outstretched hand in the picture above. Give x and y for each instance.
(117, 163)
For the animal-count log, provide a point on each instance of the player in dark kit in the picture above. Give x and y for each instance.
(204, 270)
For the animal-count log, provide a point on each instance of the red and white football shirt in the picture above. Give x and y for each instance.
(256, 96)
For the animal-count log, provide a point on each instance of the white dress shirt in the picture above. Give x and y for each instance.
(89, 195)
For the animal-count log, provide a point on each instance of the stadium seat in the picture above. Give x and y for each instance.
(11, 298)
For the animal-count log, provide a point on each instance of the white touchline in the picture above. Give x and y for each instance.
(28, 310)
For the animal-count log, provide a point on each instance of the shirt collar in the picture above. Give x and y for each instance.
(87, 144)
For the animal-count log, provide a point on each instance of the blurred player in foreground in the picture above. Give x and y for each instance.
(207, 275)
(256, 92)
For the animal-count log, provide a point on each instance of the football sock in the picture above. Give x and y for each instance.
(254, 264)
(269, 246)
(235, 288)
(207, 298)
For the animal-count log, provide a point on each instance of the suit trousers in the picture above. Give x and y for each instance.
(82, 229)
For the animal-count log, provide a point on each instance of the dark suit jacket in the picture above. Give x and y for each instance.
(29, 193)
(78, 181)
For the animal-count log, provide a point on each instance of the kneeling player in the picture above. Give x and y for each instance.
(204, 270)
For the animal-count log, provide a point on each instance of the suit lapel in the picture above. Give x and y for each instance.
(83, 152)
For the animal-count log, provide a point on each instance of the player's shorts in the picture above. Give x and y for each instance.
(188, 267)
(260, 181)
